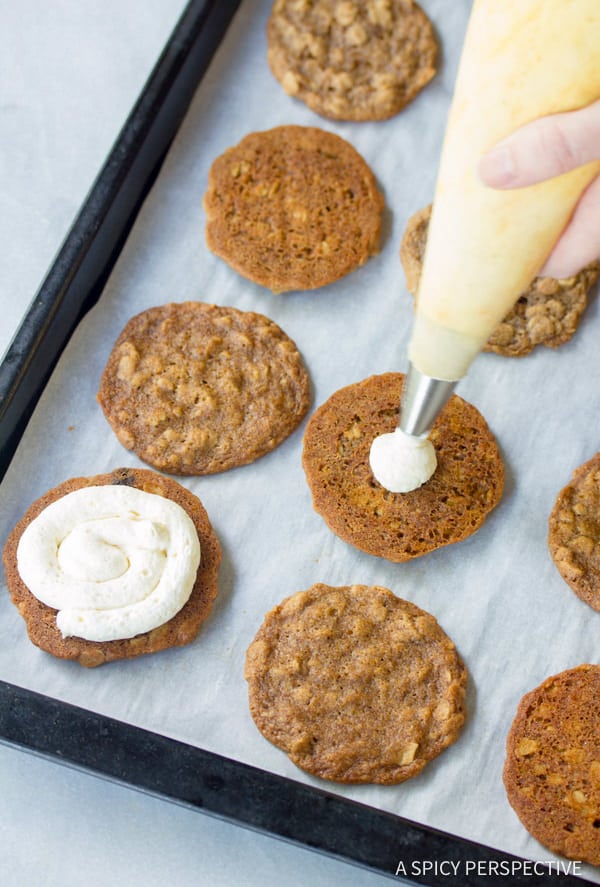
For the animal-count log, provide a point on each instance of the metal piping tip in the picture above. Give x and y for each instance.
(423, 398)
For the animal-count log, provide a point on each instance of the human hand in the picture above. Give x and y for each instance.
(541, 150)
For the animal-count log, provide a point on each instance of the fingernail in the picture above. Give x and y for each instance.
(497, 168)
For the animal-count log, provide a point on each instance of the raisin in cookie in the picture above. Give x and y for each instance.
(548, 313)
(293, 208)
(355, 684)
(349, 60)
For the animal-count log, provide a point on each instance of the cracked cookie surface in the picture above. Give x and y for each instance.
(349, 60)
(552, 768)
(292, 208)
(574, 532)
(178, 631)
(355, 684)
(548, 313)
(195, 389)
(452, 505)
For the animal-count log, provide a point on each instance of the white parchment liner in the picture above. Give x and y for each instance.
(498, 594)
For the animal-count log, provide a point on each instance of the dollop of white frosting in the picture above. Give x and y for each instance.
(114, 561)
(401, 462)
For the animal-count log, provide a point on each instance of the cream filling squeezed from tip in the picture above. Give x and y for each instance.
(114, 561)
(402, 462)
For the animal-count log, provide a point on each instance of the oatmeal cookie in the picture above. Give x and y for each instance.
(178, 631)
(574, 532)
(195, 389)
(293, 208)
(552, 769)
(548, 313)
(348, 60)
(452, 505)
(355, 684)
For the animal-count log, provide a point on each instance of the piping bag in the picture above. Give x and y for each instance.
(521, 59)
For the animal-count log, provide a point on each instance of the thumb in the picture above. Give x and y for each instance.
(543, 149)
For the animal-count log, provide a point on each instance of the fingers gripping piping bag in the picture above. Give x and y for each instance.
(522, 59)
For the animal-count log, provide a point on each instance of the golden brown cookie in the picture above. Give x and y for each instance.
(351, 60)
(548, 313)
(195, 389)
(452, 505)
(355, 684)
(180, 630)
(552, 769)
(574, 532)
(293, 208)
(412, 247)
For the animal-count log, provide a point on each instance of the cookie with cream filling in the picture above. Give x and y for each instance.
(466, 485)
(180, 629)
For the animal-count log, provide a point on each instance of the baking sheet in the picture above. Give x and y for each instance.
(498, 594)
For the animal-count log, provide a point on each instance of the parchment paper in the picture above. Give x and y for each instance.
(498, 594)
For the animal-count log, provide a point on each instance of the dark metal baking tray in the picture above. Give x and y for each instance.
(134, 757)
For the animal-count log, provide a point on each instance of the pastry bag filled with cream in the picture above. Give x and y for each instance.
(522, 59)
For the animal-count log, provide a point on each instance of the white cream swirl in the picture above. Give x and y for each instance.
(402, 462)
(115, 561)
